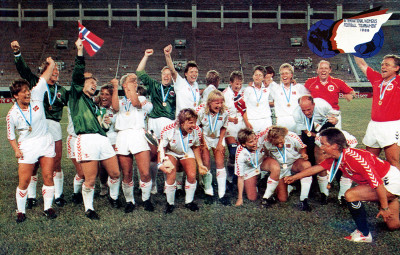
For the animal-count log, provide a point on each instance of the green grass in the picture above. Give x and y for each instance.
(213, 230)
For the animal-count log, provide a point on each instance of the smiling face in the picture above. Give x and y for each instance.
(330, 151)
(192, 74)
(90, 86)
(279, 142)
(216, 105)
(105, 98)
(188, 126)
(286, 76)
(236, 85)
(166, 76)
(23, 97)
(54, 76)
(388, 69)
(251, 143)
(324, 71)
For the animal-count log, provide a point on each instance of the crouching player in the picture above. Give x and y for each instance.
(377, 181)
(287, 148)
(250, 161)
(28, 118)
(180, 143)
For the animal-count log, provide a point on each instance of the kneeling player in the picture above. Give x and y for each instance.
(377, 181)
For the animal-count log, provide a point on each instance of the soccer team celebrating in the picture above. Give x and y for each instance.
(175, 130)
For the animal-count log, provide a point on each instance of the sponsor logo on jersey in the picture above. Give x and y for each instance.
(331, 88)
(36, 108)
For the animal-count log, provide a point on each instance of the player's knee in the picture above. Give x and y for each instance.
(393, 225)
(252, 196)
(349, 196)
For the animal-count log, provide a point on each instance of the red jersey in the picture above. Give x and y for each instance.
(361, 166)
(389, 108)
(330, 91)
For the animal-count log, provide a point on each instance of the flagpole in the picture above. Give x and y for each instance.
(120, 50)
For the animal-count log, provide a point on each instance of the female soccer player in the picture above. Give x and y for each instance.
(28, 118)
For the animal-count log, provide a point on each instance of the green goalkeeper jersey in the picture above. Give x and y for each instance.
(83, 110)
(58, 94)
(162, 107)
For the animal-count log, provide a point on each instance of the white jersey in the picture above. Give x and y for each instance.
(322, 110)
(130, 117)
(187, 96)
(257, 102)
(286, 99)
(174, 141)
(206, 92)
(290, 152)
(247, 164)
(211, 124)
(17, 118)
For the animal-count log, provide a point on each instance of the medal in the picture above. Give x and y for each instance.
(193, 93)
(288, 105)
(186, 155)
(30, 116)
(258, 104)
(284, 166)
(309, 124)
(286, 96)
(127, 106)
(258, 98)
(255, 163)
(185, 148)
(51, 100)
(30, 129)
(382, 91)
(164, 104)
(308, 133)
(380, 102)
(328, 186)
(194, 104)
(164, 97)
(213, 126)
(283, 155)
(257, 171)
(127, 113)
(50, 108)
(212, 135)
(334, 169)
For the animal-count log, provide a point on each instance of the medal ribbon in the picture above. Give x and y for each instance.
(193, 93)
(164, 98)
(283, 154)
(255, 92)
(51, 101)
(23, 115)
(185, 148)
(290, 92)
(129, 105)
(309, 124)
(213, 126)
(382, 93)
(334, 168)
(255, 163)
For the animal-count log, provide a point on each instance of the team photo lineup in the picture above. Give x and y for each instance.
(271, 131)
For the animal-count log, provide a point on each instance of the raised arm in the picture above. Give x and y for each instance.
(22, 68)
(168, 59)
(115, 99)
(143, 62)
(49, 71)
(361, 64)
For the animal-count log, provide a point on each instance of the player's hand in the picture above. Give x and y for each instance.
(304, 156)
(148, 52)
(332, 120)
(79, 44)
(239, 202)
(203, 170)
(386, 215)
(348, 97)
(114, 82)
(18, 153)
(50, 61)
(15, 46)
(290, 179)
(168, 50)
(107, 119)
(234, 120)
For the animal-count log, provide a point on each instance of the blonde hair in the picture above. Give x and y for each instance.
(288, 66)
(275, 133)
(214, 95)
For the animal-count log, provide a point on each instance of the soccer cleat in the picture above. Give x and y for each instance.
(21, 217)
(209, 200)
(60, 201)
(92, 215)
(129, 207)
(77, 198)
(169, 208)
(115, 203)
(103, 191)
(266, 203)
(224, 200)
(148, 206)
(31, 202)
(357, 236)
(180, 193)
(304, 206)
(324, 199)
(342, 202)
(154, 190)
(192, 206)
(50, 213)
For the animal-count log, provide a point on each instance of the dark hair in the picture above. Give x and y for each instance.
(244, 134)
(142, 91)
(108, 87)
(396, 60)
(269, 70)
(17, 85)
(212, 77)
(259, 68)
(190, 64)
(335, 136)
(186, 114)
(236, 75)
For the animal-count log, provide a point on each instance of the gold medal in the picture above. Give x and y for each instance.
(284, 166)
(328, 186)
(308, 133)
(257, 171)
(288, 105)
(258, 104)
(50, 108)
(164, 104)
(194, 104)
(186, 155)
(380, 102)
(30, 129)
(127, 113)
(212, 135)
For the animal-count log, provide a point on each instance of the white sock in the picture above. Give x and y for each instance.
(21, 197)
(114, 187)
(58, 178)
(179, 182)
(146, 189)
(127, 189)
(87, 195)
(78, 184)
(190, 189)
(221, 180)
(170, 192)
(263, 174)
(345, 184)
(271, 186)
(289, 189)
(207, 181)
(323, 184)
(48, 196)
(305, 187)
(32, 186)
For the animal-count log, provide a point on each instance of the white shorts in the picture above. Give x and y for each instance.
(339, 124)
(158, 124)
(382, 134)
(112, 136)
(54, 128)
(285, 172)
(71, 146)
(34, 148)
(213, 142)
(131, 141)
(260, 124)
(233, 129)
(251, 173)
(287, 122)
(392, 181)
(93, 147)
(181, 156)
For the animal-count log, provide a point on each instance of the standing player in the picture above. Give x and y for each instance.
(212, 83)
(384, 128)
(180, 142)
(328, 88)
(28, 118)
(269, 76)
(54, 101)
(131, 141)
(377, 181)
(92, 144)
(213, 119)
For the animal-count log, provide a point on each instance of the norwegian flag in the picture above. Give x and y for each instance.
(91, 42)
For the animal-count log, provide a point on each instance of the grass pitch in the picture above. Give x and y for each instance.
(215, 229)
